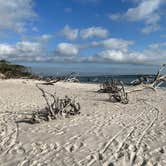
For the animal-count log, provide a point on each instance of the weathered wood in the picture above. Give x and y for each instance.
(115, 89)
(158, 80)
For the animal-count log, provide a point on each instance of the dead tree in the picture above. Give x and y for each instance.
(55, 108)
(155, 83)
(73, 77)
(108, 86)
(118, 94)
(116, 91)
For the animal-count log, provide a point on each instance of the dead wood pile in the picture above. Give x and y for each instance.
(55, 108)
(115, 89)
(153, 84)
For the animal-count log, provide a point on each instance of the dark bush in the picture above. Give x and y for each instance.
(11, 70)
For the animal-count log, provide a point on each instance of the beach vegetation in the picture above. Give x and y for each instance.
(11, 70)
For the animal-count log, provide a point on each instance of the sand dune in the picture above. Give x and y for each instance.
(105, 133)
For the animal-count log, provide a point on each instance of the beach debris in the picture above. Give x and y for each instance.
(115, 89)
(72, 77)
(55, 108)
(142, 79)
(153, 84)
(51, 82)
(118, 94)
(109, 86)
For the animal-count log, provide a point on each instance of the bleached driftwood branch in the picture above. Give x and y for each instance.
(55, 108)
(158, 80)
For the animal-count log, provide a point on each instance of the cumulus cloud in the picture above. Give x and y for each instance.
(67, 49)
(28, 48)
(120, 52)
(144, 10)
(94, 32)
(34, 51)
(6, 50)
(70, 33)
(21, 50)
(15, 13)
(117, 56)
(147, 11)
(114, 43)
(153, 54)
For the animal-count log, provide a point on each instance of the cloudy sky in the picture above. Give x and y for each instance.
(112, 31)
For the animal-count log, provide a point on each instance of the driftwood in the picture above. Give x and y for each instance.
(116, 91)
(51, 82)
(73, 77)
(142, 79)
(55, 108)
(109, 86)
(155, 83)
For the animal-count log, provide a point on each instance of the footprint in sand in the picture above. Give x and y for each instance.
(74, 147)
(129, 145)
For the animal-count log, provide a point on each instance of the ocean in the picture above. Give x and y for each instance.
(93, 72)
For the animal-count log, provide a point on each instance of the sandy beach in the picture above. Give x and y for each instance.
(105, 133)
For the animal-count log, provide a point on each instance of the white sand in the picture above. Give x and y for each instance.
(104, 133)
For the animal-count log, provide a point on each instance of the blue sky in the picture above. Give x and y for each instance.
(112, 31)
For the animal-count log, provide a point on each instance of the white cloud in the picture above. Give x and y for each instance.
(6, 50)
(153, 54)
(15, 13)
(28, 48)
(42, 39)
(21, 50)
(94, 32)
(45, 37)
(112, 55)
(66, 52)
(117, 56)
(67, 49)
(70, 33)
(147, 11)
(144, 10)
(114, 43)
(150, 28)
(157, 45)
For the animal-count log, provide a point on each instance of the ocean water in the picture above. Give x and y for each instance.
(90, 69)
(94, 72)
